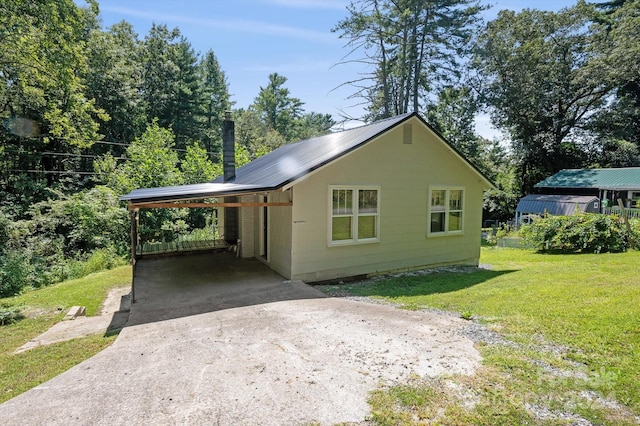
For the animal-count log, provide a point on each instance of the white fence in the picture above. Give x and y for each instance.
(631, 213)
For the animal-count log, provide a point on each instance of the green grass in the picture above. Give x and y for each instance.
(575, 322)
(43, 308)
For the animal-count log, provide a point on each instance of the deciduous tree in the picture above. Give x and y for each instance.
(412, 46)
(537, 70)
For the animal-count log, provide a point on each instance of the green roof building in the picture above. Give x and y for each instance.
(608, 185)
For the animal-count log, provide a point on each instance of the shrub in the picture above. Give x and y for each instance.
(99, 260)
(15, 271)
(9, 315)
(634, 238)
(581, 232)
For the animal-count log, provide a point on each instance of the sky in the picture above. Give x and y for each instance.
(254, 38)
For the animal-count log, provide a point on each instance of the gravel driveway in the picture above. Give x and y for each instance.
(307, 359)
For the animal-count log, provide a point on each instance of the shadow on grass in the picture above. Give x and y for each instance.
(424, 285)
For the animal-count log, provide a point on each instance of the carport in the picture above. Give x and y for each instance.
(227, 197)
(179, 286)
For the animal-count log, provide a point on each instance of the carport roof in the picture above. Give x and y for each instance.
(627, 178)
(554, 204)
(284, 165)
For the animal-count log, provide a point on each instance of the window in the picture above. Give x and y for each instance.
(446, 211)
(354, 215)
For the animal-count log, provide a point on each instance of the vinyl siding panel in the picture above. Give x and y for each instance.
(404, 173)
(279, 238)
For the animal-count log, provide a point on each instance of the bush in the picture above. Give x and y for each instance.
(9, 315)
(84, 221)
(15, 271)
(99, 260)
(581, 232)
(634, 238)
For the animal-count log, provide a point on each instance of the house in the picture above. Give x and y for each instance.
(387, 196)
(608, 185)
(585, 190)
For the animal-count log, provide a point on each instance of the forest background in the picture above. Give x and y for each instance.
(89, 113)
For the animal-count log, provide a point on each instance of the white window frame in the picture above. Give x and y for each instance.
(447, 210)
(355, 215)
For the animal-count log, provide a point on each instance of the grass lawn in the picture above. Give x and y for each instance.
(42, 309)
(571, 325)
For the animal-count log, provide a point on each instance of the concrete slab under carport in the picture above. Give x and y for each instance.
(169, 287)
(244, 346)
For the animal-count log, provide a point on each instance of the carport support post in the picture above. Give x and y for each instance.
(134, 216)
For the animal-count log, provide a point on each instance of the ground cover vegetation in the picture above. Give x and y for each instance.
(559, 336)
(89, 113)
(26, 316)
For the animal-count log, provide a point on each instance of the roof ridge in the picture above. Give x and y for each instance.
(336, 132)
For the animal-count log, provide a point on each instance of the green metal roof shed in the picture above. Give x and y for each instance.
(610, 185)
(621, 179)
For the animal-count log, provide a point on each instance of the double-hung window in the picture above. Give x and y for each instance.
(354, 214)
(446, 210)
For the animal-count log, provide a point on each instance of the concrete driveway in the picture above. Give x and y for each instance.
(217, 340)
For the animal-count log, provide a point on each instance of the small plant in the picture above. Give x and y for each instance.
(466, 315)
(9, 315)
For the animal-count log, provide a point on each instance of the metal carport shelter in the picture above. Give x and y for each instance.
(187, 196)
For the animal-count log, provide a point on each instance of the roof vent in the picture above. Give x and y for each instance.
(407, 134)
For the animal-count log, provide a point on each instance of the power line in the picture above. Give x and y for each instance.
(69, 154)
(52, 172)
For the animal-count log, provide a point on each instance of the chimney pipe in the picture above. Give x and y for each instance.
(229, 175)
(228, 148)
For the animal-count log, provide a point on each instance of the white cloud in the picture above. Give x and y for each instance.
(232, 25)
(311, 4)
(300, 65)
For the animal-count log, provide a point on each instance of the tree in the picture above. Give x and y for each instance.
(277, 109)
(215, 91)
(537, 69)
(255, 136)
(314, 124)
(171, 86)
(617, 29)
(196, 166)
(114, 79)
(43, 102)
(150, 162)
(453, 115)
(413, 46)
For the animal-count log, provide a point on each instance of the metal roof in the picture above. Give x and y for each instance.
(283, 165)
(554, 204)
(627, 178)
(186, 192)
(293, 161)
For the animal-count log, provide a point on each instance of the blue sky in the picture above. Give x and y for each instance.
(254, 38)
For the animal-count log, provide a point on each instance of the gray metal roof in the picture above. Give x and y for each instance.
(282, 165)
(293, 161)
(186, 192)
(627, 178)
(554, 204)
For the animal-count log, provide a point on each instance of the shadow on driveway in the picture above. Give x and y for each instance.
(181, 286)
